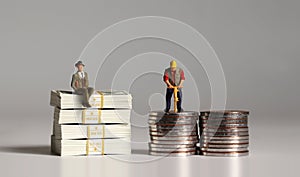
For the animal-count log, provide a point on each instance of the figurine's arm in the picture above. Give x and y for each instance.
(74, 83)
(182, 78)
(169, 85)
(166, 80)
(86, 80)
(181, 84)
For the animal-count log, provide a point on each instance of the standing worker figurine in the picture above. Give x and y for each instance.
(80, 84)
(174, 78)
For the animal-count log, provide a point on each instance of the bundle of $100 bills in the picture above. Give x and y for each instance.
(102, 129)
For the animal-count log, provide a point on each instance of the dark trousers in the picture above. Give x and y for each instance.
(169, 94)
(86, 93)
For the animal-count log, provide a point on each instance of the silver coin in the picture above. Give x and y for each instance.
(171, 149)
(223, 117)
(219, 142)
(174, 129)
(223, 112)
(178, 136)
(173, 142)
(225, 141)
(222, 150)
(224, 137)
(224, 125)
(171, 130)
(173, 133)
(191, 126)
(187, 150)
(223, 128)
(163, 130)
(184, 113)
(166, 128)
(224, 121)
(172, 154)
(225, 145)
(232, 154)
(220, 124)
(227, 130)
(171, 138)
(178, 118)
(173, 126)
(225, 134)
(226, 111)
(172, 120)
(171, 145)
(194, 122)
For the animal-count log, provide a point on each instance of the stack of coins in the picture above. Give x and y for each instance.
(224, 133)
(173, 134)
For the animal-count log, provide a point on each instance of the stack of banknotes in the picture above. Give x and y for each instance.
(102, 129)
(100, 99)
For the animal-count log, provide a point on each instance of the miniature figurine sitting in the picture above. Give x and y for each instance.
(80, 84)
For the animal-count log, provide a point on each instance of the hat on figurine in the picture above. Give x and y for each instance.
(173, 64)
(79, 63)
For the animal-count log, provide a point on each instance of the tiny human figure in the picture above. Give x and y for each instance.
(173, 76)
(80, 84)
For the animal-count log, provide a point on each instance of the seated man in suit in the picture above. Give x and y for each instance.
(80, 84)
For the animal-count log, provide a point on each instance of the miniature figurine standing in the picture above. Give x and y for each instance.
(80, 84)
(173, 77)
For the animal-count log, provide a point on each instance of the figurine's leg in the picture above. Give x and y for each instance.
(179, 95)
(80, 91)
(85, 96)
(90, 91)
(168, 99)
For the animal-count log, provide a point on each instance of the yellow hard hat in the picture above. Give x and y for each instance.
(173, 64)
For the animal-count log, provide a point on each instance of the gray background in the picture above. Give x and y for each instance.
(257, 42)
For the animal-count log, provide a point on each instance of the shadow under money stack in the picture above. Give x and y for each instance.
(102, 129)
(173, 134)
(224, 133)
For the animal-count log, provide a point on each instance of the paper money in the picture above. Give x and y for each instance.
(99, 99)
(102, 129)
(90, 146)
(92, 116)
(92, 131)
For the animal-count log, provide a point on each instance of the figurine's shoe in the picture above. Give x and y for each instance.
(167, 111)
(86, 105)
(180, 110)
